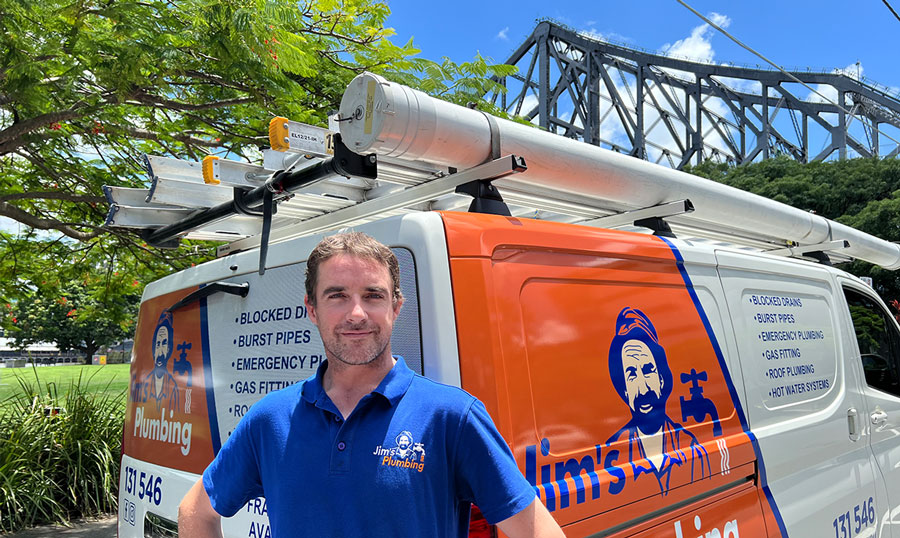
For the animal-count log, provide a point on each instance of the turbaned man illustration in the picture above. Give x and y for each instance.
(640, 372)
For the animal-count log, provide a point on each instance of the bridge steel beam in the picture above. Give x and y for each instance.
(663, 108)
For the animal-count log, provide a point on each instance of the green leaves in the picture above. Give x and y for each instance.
(86, 89)
(461, 83)
(75, 315)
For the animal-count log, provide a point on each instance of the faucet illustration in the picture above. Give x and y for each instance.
(698, 406)
(182, 365)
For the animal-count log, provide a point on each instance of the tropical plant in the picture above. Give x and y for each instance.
(59, 455)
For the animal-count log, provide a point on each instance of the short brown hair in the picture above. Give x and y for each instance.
(355, 244)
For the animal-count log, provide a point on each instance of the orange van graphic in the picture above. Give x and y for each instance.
(167, 419)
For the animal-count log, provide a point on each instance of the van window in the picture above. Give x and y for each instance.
(406, 340)
(878, 342)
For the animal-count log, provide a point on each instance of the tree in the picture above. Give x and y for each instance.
(87, 301)
(73, 317)
(87, 87)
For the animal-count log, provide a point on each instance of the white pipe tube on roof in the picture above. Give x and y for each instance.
(396, 121)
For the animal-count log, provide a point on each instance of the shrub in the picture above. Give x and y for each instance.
(59, 455)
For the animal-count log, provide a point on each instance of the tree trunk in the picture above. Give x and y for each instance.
(89, 349)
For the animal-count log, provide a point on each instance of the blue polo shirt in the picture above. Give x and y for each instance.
(408, 461)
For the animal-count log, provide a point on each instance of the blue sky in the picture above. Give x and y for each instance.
(822, 35)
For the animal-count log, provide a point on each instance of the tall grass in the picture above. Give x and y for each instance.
(59, 455)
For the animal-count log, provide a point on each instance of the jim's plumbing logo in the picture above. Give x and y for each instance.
(161, 393)
(407, 454)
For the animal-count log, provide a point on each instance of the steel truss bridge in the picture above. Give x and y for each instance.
(677, 111)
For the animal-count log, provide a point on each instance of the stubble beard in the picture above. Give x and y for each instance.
(355, 354)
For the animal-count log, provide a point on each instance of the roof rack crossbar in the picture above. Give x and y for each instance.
(806, 250)
(668, 209)
(508, 164)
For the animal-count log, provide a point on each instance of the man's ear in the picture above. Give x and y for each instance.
(310, 310)
(397, 305)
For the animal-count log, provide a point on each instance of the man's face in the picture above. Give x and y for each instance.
(403, 442)
(643, 385)
(161, 346)
(354, 309)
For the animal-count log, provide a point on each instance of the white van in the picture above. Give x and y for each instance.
(774, 402)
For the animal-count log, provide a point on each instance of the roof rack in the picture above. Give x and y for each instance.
(400, 151)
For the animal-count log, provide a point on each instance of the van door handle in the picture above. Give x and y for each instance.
(852, 415)
(225, 287)
(879, 417)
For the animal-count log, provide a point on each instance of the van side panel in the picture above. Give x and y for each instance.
(600, 372)
(800, 393)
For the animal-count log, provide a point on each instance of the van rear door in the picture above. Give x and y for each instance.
(198, 367)
(802, 397)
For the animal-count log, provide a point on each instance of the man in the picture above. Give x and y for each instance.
(159, 383)
(333, 454)
(640, 373)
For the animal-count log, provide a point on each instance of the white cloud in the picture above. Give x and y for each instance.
(530, 101)
(827, 92)
(698, 45)
(502, 34)
(592, 33)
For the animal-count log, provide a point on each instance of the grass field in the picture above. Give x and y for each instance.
(109, 380)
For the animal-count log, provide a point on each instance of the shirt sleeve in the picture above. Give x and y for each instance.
(233, 477)
(487, 474)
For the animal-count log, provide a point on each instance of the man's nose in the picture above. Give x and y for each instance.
(643, 386)
(357, 312)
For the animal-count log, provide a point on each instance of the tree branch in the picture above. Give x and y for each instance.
(53, 195)
(328, 57)
(9, 137)
(149, 99)
(13, 212)
(215, 79)
(181, 137)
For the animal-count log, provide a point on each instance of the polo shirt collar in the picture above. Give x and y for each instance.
(395, 383)
(392, 387)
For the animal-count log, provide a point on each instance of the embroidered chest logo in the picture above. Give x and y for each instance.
(407, 454)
